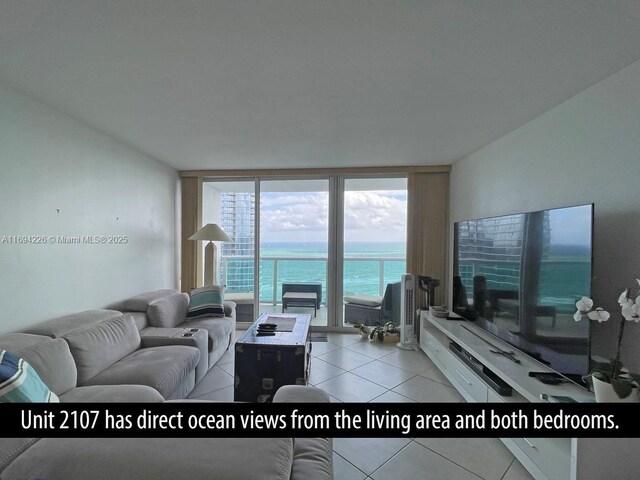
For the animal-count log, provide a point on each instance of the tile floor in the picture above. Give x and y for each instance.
(353, 370)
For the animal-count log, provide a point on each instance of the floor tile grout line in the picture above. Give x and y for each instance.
(391, 458)
(373, 381)
(392, 391)
(209, 393)
(361, 471)
(383, 386)
(349, 370)
(434, 380)
(328, 363)
(347, 401)
(417, 373)
(508, 468)
(388, 390)
(389, 353)
(339, 375)
(454, 462)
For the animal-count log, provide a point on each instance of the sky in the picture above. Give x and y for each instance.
(370, 216)
(571, 226)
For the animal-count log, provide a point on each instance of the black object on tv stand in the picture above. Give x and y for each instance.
(491, 379)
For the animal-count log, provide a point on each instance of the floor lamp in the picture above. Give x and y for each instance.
(210, 232)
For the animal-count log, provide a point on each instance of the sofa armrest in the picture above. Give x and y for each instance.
(300, 394)
(312, 457)
(230, 309)
(191, 337)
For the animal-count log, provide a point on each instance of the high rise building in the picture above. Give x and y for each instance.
(236, 266)
(492, 248)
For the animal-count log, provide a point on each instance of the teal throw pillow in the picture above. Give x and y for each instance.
(206, 301)
(19, 382)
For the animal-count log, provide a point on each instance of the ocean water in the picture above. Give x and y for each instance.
(362, 267)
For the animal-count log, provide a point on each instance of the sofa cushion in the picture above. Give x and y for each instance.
(155, 459)
(20, 383)
(12, 448)
(100, 346)
(207, 301)
(112, 393)
(364, 300)
(163, 368)
(140, 318)
(59, 327)
(219, 329)
(54, 363)
(169, 311)
(140, 303)
(50, 357)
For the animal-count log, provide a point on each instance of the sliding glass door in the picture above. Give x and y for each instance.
(374, 248)
(294, 246)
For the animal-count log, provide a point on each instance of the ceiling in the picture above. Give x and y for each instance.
(311, 83)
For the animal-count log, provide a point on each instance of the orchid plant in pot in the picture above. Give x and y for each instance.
(610, 376)
(387, 333)
(363, 330)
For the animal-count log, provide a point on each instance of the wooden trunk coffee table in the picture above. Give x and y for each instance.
(265, 363)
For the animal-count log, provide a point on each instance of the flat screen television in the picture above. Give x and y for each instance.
(519, 276)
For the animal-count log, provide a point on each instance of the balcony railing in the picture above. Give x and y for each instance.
(361, 275)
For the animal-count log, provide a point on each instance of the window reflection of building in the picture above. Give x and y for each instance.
(238, 215)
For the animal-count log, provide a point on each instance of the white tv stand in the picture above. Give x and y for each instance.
(544, 458)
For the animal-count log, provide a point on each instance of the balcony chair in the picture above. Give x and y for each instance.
(374, 309)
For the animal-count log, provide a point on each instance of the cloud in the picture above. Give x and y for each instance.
(304, 216)
(375, 211)
(294, 212)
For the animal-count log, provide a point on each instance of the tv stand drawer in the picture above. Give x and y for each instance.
(553, 461)
(472, 388)
(471, 383)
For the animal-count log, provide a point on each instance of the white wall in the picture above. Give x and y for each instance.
(585, 150)
(60, 177)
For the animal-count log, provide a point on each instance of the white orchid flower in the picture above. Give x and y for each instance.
(631, 312)
(599, 314)
(584, 304)
(578, 316)
(623, 299)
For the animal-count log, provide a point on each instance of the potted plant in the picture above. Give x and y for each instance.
(362, 329)
(611, 382)
(387, 333)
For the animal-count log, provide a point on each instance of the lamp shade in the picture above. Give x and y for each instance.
(211, 232)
